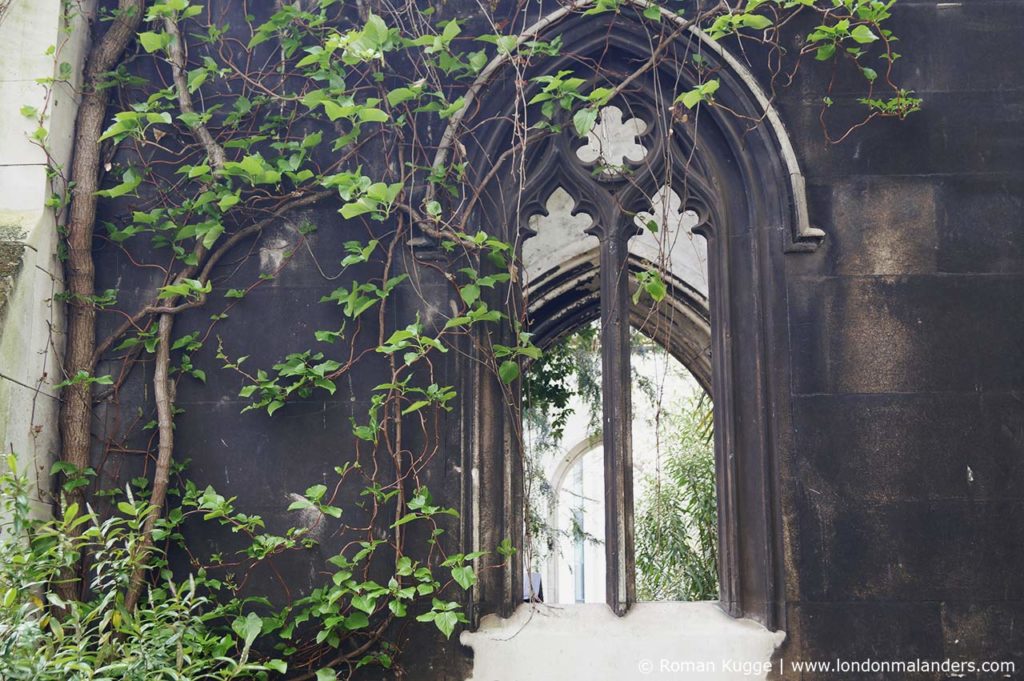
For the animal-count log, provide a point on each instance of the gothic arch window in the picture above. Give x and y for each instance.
(714, 174)
(562, 257)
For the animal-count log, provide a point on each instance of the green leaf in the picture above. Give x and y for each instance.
(197, 171)
(701, 93)
(508, 371)
(335, 111)
(253, 627)
(316, 492)
(445, 622)
(690, 99)
(357, 620)
(477, 60)
(402, 94)
(758, 22)
(506, 44)
(351, 210)
(211, 235)
(656, 289)
(863, 35)
(451, 29)
(300, 504)
(464, 575)
(650, 282)
(153, 42)
(415, 406)
(365, 603)
(583, 120)
(326, 674)
(130, 181)
(652, 12)
(376, 30)
(470, 293)
(825, 52)
(227, 201)
(372, 116)
(311, 140)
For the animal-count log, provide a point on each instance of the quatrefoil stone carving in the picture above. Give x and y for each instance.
(613, 141)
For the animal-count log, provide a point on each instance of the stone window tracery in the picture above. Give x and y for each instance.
(726, 179)
(599, 196)
(613, 141)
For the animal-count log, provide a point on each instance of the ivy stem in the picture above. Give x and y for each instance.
(163, 388)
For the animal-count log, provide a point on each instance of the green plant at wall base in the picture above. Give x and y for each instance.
(181, 630)
(197, 165)
(194, 626)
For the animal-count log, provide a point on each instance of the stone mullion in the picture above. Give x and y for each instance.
(620, 572)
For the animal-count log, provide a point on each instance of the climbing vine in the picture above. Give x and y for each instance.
(205, 126)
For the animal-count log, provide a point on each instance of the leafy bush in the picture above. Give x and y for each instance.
(677, 519)
(197, 627)
(178, 630)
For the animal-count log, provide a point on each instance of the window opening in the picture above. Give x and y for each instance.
(674, 484)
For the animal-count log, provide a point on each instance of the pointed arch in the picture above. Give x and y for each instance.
(742, 183)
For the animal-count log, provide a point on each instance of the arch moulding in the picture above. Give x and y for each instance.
(745, 187)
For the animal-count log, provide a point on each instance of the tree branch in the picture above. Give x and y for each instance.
(179, 65)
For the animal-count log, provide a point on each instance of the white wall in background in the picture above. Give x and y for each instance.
(31, 326)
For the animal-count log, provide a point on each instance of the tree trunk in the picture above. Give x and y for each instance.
(76, 408)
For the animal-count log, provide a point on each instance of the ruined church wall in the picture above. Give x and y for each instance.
(903, 484)
(901, 479)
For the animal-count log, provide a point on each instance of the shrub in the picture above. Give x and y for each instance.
(677, 519)
(179, 630)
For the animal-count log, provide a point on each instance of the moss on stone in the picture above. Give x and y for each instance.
(11, 253)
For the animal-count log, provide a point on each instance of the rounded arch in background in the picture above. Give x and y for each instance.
(556, 479)
(744, 187)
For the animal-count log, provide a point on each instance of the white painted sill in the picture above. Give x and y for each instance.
(653, 641)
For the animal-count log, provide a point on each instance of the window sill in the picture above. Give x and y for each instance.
(653, 641)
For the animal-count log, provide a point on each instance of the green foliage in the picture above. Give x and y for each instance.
(196, 626)
(705, 92)
(178, 631)
(677, 517)
(289, 107)
(901, 105)
(569, 368)
(83, 378)
(650, 282)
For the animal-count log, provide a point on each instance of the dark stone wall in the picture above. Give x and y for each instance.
(902, 482)
(903, 488)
